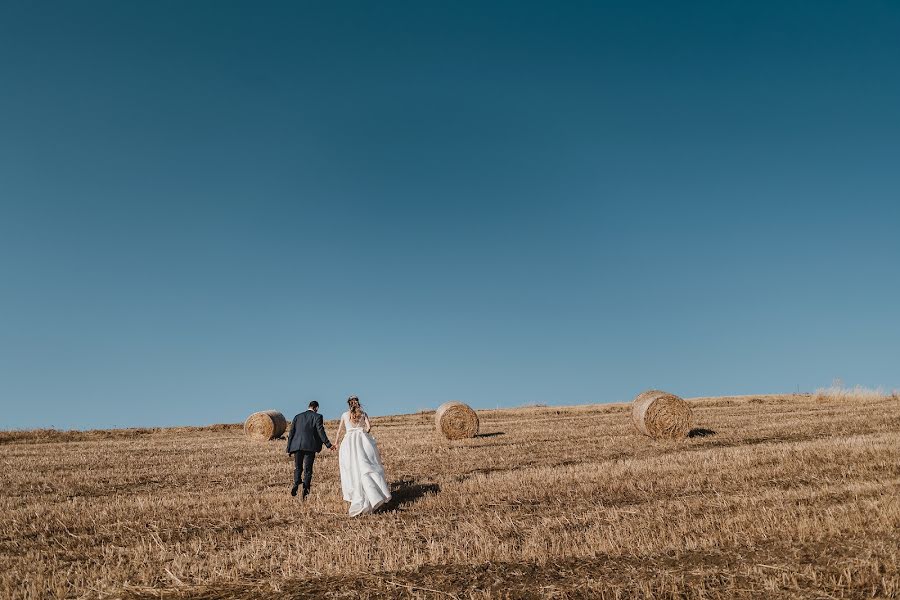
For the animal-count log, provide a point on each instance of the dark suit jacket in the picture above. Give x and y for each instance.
(307, 433)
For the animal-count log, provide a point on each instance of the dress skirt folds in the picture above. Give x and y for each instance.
(362, 474)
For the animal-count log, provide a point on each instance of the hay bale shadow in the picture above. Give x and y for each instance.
(407, 492)
(700, 432)
(491, 434)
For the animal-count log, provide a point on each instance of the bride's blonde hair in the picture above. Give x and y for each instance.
(356, 411)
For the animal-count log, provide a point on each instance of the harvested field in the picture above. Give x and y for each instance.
(770, 496)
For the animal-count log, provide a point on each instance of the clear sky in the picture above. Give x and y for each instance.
(210, 208)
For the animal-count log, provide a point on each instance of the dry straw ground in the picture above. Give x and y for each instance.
(792, 496)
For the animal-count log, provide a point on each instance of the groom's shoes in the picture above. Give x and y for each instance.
(294, 491)
(305, 493)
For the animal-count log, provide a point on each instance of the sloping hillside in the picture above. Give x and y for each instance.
(788, 496)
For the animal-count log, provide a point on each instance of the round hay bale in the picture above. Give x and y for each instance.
(455, 421)
(265, 425)
(661, 415)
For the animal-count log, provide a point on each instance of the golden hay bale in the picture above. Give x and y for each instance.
(455, 420)
(661, 415)
(265, 425)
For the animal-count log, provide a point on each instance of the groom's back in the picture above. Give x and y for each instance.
(304, 435)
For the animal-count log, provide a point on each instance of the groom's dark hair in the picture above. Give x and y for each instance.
(314, 405)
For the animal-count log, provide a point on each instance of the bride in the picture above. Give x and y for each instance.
(362, 474)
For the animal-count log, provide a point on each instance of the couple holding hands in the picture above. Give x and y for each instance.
(362, 474)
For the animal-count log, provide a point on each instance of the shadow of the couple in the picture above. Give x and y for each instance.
(407, 492)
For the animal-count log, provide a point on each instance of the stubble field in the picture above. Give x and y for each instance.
(775, 496)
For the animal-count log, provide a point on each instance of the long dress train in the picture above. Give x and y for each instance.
(362, 474)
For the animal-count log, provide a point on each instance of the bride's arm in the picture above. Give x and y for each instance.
(337, 437)
(368, 425)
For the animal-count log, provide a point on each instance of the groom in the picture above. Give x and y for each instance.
(305, 440)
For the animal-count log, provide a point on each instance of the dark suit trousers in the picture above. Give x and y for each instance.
(303, 464)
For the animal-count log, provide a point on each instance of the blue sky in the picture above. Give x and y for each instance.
(211, 208)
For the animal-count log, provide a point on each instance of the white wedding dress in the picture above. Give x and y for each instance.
(362, 474)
